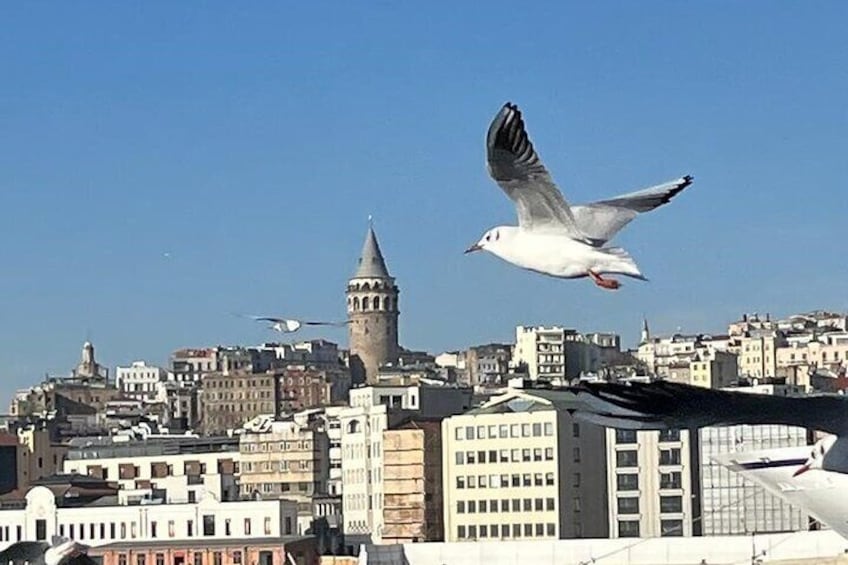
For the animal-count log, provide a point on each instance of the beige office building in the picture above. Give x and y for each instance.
(519, 467)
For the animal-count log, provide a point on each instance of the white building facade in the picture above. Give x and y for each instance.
(140, 380)
(41, 519)
(360, 445)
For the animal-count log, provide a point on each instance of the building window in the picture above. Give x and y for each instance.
(670, 480)
(628, 528)
(670, 456)
(549, 454)
(153, 529)
(575, 480)
(460, 507)
(190, 528)
(627, 458)
(41, 529)
(237, 558)
(198, 558)
(460, 458)
(625, 436)
(247, 526)
(140, 559)
(629, 481)
(218, 558)
(537, 430)
(160, 559)
(208, 525)
(472, 532)
(671, 504)
(575, 430)
(669, 528)
(460, 532)
(669, 435)
(628, 505)
(122, 559)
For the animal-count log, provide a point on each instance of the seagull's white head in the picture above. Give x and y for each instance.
(817, 454)
(494, 239)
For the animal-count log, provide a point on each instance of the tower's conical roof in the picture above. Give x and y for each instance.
(371, 262)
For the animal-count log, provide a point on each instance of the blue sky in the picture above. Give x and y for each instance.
(252, 142)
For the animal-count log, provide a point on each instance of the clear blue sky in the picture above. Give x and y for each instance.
(251, 142)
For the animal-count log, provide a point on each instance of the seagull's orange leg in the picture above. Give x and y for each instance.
(609, 284)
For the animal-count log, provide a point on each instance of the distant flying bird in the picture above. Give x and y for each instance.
(62, 551)
(666, 405)
(284, 325)
(552, 237)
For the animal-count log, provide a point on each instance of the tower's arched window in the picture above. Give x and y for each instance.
(387, 303)
(365, 303)
(376, 285)
(356, 303)
(376, 303)
(366, 286)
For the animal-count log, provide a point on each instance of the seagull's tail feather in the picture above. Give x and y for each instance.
(620, 262)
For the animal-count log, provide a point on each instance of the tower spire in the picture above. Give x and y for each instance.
(646, 333)
(371, 262)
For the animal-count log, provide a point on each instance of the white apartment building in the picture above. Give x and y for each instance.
(827, 351)
(542, 350)
(758, 353)
(650, 481)
(174, 471)
(361, 447)
(45, 516)
(519, 468)
(140, 380)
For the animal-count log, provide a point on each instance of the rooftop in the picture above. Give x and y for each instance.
(200, 543)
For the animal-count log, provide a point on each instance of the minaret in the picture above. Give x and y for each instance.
(646, 334)
(372, 308)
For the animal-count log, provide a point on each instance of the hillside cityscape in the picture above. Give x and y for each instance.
(307, 449)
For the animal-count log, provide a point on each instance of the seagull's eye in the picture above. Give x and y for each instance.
(488, 236)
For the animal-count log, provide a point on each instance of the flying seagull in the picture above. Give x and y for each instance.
(666, 405)
(284, 325)
(552, 237)
(62, 551)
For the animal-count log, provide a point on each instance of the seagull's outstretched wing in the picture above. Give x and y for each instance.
(31, 551)
(667, 405)
(518, 170)
(335, 324)
(263, 318)
(602, 220)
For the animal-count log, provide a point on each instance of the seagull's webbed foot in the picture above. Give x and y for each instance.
(609, 284)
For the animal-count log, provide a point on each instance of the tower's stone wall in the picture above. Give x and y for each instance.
(372, 308)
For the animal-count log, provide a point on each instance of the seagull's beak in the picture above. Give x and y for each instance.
(801, 469)
(473, 248)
